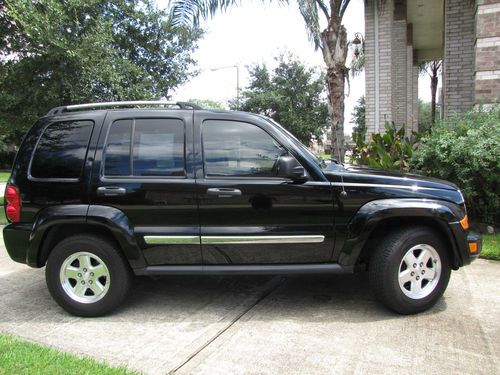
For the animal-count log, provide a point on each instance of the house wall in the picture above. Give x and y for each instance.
(391, 74)
(458, 62)
(487, 58)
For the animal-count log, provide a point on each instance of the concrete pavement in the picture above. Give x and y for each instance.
(267, 325)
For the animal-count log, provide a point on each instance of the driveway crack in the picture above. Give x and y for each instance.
(273, 284)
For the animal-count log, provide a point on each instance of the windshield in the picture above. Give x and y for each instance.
(319, 161)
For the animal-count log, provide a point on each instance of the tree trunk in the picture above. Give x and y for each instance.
(434, 85)
(334, 48)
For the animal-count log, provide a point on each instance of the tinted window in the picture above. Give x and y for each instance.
(61, 151)
(158, 148)
(239, 149)
(118, 149)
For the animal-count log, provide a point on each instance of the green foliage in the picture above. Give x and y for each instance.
(291, 94)
(391, 150)
(424, 116)
(56, 52)
(22, 357)
(3, 219)
(491, 246)
(359, 128)
(207, 103)
(466, 151)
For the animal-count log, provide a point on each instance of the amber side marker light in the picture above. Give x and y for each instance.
(473, 247)
(465, 222)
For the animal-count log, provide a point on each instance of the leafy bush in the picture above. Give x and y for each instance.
(466, 151)
(391, 150)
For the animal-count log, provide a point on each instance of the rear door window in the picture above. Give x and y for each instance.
(61, 150)
(157, 148)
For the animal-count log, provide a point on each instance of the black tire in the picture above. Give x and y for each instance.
(118, 280)
(387, 265)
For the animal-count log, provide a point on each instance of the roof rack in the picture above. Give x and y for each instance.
(69, 108)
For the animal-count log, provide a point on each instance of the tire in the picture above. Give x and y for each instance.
(87, 276)
(410, 269)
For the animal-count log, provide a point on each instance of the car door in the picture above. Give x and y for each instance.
(144, 169)
(249, 215)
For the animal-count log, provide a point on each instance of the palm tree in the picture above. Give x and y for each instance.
(332, 41)
(432, 68)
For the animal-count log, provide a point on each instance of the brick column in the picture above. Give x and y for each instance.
(378, 70)
(390, 79)
(399, 76)
(458, 63)
(487, 61)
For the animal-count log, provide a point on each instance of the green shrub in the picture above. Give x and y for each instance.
(391, 150)
(466, 151)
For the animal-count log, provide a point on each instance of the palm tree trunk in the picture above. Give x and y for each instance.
(434, 84)
(334, 48)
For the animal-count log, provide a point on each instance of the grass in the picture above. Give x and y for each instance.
(22, 357)
(4, 176)
(491, 246)
(3, 219)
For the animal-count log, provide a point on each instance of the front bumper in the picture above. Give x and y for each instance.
(474, 245)
(462, 248)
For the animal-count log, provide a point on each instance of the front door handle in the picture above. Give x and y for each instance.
(110, 191)
(224, 192)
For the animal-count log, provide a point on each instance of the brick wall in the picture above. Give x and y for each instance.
(459, 56)
(487, 60)
(399, 77)
(385, 81)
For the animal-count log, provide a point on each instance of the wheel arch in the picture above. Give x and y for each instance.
(58, 223)
(377, 218)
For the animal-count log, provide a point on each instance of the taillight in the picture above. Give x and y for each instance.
(13, 208)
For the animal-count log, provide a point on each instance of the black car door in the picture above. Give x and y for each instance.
(248, 215)
(144, 168)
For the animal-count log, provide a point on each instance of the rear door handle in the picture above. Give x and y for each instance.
(110, 191)
(224, 192)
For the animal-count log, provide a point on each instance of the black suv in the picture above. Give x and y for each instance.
(100, 192)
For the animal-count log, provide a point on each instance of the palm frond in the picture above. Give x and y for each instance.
(324, 8)
(188, 13)
(343, 6)
(309, 11)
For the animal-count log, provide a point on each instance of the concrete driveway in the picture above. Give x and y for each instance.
(267, 325)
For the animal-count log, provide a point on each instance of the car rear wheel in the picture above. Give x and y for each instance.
(410, 269)
(87, 276)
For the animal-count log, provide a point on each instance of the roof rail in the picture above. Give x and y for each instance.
(69, 108)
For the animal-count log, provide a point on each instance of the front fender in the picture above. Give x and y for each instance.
(370, 215)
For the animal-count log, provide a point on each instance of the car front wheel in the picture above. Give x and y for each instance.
(410, 269)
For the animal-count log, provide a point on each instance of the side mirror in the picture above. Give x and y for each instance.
(290, 168)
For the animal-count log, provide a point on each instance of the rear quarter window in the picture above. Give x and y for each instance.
(61, 150)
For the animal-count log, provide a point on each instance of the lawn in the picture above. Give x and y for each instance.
(4, 175)
(491, 246)
(22, 357)
(3, 219)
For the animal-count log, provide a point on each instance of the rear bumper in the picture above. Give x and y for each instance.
(17, 238)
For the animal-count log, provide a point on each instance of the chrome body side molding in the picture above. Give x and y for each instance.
(237, 240)
(172, 240)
